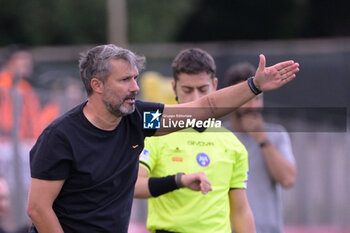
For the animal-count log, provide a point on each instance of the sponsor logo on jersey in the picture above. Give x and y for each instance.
(203, 159)
(200, 143)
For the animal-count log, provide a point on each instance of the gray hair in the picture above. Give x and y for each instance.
(95, 63)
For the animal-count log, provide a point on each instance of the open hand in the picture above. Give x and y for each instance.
(273, 77)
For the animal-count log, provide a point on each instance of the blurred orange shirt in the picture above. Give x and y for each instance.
(33, 119)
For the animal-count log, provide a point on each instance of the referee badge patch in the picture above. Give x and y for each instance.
(203, 159)
(144, 155)
(245, 183)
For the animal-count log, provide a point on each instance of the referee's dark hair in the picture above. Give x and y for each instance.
(193, 61)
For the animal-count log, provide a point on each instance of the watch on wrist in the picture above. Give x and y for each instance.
(252, 86)
(178, 180)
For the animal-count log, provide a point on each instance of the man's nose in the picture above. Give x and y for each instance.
(196, 95)
(134, 87)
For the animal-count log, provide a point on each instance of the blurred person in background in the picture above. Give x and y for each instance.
(67, 91)
(218, 154)
(74, 93)
(4, 201)
(271, 160)
(18, 100)
(5, 207)
(87, 159)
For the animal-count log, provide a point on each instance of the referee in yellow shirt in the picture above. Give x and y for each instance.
(169, 163)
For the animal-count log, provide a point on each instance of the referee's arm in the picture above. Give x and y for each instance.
(242, 219)
(155, 186)
(141, 187)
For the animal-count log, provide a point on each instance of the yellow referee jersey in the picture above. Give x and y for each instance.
(220, 155)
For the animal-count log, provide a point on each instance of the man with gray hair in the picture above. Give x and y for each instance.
(84, 165)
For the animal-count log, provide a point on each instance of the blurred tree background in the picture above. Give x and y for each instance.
(268, 19)
(52, 22)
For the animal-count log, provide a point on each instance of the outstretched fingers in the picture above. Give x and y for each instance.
(288, 79)
(289, 68)
(282, 65)
(289, 72)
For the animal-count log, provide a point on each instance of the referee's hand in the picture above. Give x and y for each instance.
(197, 182)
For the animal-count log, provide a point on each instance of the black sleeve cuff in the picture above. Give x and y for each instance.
(161, 185)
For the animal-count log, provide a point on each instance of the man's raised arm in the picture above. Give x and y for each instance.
(226, 100)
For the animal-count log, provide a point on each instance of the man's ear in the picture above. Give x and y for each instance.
(96, 85)
(173, 84)
(215, 83)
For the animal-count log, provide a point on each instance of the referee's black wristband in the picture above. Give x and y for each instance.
(161, 185)
(252, 86)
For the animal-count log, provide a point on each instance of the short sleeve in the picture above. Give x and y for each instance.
(240, 168)
(51, 156)
(148, 156)
(284, 145)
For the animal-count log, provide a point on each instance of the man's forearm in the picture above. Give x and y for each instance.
(155, 186)
(241, 216)
(243, 222)
(282, 170)
(45, 221)
(215, 105)
(225, 101)
(141, 188)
